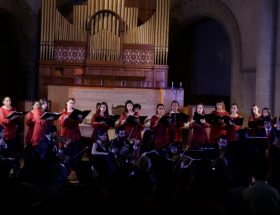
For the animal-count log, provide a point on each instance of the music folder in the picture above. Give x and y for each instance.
(262, 121)
(197, 117)
(164, 120)
(256, 123)
(75, 114)
(142, 119)
(132, 119)
(14, 114)
(179, 117)
(209, 118)
(252, 124)
(47, 115)
(213, 118)
(272, 120)
(110, 121)
(238, 121)
(100, 119)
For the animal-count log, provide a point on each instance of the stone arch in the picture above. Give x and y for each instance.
(189, 11)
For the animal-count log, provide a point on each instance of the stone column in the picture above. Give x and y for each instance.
(264, 73)
(276, 110)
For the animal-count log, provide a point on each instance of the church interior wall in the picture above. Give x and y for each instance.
(246, 13)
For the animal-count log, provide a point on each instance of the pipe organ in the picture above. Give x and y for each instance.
(103, 46)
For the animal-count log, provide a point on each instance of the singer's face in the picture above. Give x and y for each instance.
(7, 101)
(174, 107)
(102, 108)
(70, 103)
(219, 106)
(222, 143)
(44, 105)
(36, 105)
(129, 107)
(234, 109)
(265, 113)
(199, 109)
(121, 134)
(255, 110)
(160, 110)
(103, 137)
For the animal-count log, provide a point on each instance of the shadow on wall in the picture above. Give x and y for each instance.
(12, 83)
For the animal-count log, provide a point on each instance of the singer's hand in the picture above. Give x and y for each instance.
(80, 116)
(202, 121)
(156, 122)
(51, 118)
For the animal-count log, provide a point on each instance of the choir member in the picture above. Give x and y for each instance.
(130, 120)
(69, 129)
(99, 120)
(160, 125)
(253, 121)
(198, 125)
(177, 123)
(235, 123)
(10, 126)
(40, 125)
(218, 126)
(30, 123)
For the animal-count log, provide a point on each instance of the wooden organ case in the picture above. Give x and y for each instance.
(103, 46)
